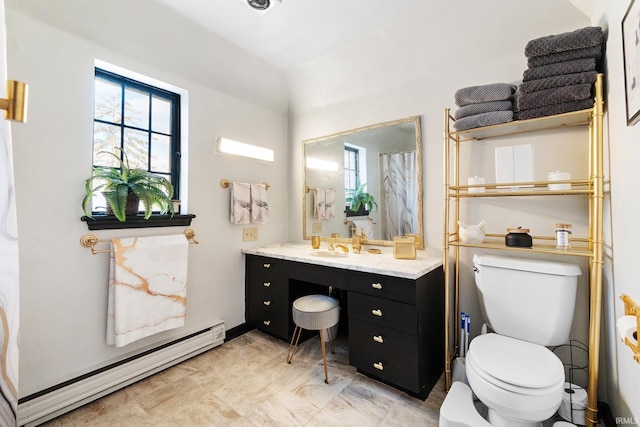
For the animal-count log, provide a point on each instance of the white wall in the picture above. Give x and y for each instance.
(63, 287)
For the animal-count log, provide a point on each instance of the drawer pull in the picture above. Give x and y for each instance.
(267, 303)
(378, 366)
(377, 312)
(266, 284)
(266, 322)
(266, 265)
(378, 338)
(376, 285)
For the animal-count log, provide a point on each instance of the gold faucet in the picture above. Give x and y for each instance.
(356, 240)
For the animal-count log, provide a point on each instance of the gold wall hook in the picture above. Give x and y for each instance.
(190, 234)
(16, 102)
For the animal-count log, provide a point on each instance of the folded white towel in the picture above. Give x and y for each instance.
(147, 287)
(329, 205)
(318, 203)
(240, 203)
(259, 205)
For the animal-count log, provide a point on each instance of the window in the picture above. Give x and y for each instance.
(141, 120)
(351, 171)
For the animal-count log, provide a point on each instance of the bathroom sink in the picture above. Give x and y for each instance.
(330, 254)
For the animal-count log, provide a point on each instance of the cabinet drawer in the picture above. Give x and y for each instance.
(383, 312)
(261, 265)
(270, 301)
(400, 372)
(269, 286)
(383, 339)
(270, 323)
(388, 287)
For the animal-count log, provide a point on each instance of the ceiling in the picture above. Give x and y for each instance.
(295, 31)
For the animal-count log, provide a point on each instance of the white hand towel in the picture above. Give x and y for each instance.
(240, 203)
(329, 205)
(259, 205)
(147, 287)
(318, 203)
(365, 225)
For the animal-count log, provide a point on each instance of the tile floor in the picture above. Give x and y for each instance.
(247, 382)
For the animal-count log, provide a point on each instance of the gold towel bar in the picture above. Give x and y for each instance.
(225, 183)
(91, 240)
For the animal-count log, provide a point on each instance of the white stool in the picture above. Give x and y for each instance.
(314, 313)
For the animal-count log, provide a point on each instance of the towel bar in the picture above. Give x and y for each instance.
(91, 240)
(225, 183)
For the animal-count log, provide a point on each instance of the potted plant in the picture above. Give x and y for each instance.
(124, 187)
(361, 200)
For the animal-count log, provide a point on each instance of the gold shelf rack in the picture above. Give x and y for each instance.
(590, 246)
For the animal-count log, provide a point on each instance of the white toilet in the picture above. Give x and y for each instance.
(529, 304)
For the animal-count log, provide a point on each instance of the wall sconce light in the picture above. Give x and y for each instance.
(235, 148)
(323, 165)
(16, 102)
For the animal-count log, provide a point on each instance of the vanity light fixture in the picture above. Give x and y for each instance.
(323, 165)
(235, 148)
(16, 102)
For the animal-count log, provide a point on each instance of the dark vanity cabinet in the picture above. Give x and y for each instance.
(395, 325)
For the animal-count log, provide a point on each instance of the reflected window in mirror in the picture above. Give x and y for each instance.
(355, 170)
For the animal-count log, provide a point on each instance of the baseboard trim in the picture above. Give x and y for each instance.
(235, 332)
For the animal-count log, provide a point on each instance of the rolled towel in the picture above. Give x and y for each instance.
(554, 109)
(557, 81)
(569, 55)
(560, 68)
(483, 107)
(484, 93)
(483, 119)
(556, 95)
(581, 38)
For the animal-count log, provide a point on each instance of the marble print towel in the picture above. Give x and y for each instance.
(329, 203)
(259, 205)
(240, 203)
(147, 287)
(319, 195)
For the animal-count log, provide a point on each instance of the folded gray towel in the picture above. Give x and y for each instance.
(483, 107)
(569, 55)
(554, 109)
(556, 95)
(557, 81)
(484, 93)
(583, 37)
(483, 119)
(568, 67)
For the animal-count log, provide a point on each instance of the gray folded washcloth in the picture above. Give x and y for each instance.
(484, 93)
(569, 55)
(567, 67)
(554, 109)
(483, 107)
(581, 38)
(556, 95)
(557, 81)
(483, 119)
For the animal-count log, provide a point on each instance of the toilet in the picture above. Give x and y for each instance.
(528, 304)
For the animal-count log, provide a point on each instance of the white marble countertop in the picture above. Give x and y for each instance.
(383, 263)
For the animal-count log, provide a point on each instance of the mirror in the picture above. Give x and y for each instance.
(385, 161)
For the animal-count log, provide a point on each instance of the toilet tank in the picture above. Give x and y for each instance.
(528, 299)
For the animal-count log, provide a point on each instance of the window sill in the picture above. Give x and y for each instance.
(110, 222)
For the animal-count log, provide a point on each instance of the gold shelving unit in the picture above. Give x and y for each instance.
(590, 246)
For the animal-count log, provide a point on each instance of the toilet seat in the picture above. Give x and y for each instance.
(520, 381)
(500, 360)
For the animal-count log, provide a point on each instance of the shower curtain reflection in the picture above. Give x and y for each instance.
(400, 194)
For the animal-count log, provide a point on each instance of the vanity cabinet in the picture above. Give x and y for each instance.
(590, 246)
(395, 324)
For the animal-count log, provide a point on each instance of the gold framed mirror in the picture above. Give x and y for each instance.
(378, 167)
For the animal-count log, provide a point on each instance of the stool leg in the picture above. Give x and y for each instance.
(324, 359)
(290, 353)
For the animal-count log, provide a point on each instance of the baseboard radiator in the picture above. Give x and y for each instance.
(41, 407)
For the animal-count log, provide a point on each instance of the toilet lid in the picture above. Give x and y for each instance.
(516, 362)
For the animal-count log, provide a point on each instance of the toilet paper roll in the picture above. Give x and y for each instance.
(574, 404)
(475, 180)
(627, 325)
(559, 176)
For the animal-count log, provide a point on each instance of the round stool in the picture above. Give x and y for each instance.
(314, 313)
